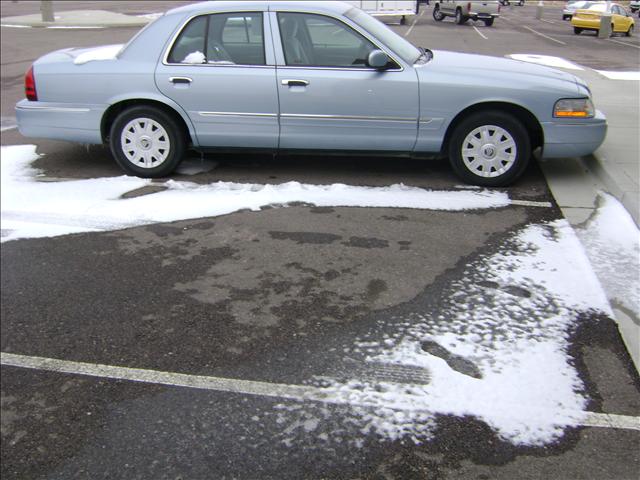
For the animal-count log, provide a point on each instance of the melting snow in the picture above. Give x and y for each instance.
(41, 209)
(510, 315)
(612, 241)
(546, 60)
(108, 52)
(620, 75)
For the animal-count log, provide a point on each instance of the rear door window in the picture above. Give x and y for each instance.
(221, 39)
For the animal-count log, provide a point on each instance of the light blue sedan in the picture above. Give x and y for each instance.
(304, 76)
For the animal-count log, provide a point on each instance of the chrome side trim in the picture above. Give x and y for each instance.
(348, 117)
(236, 114)
(343, 69)
(53, 109)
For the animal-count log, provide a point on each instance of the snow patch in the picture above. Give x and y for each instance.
(195, 57)
(510, 315)
(95, 204)
(612, 241)
(546, 60)
(620, 75)
(108, 52)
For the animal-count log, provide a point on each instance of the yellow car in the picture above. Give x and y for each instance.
(589, 19)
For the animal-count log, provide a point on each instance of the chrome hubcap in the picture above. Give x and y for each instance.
(489, 151)
(145, 143)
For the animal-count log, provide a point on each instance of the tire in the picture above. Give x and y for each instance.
(566, 17)
(577, 30)
(630, 31)
(488, 21)
(521, 3)
(460, 19)
(489, 149)
(612, 31)
(438, 16)
(146, 142)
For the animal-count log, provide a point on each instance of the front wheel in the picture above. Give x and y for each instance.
(489, 149)
(577, 30)
(460, 19)
(488, 22)
(146, 142)
(630, 31)
(438, 16)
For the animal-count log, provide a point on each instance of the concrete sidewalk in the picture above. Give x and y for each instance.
(78, 19)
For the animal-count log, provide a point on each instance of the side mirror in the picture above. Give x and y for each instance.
(377, 59)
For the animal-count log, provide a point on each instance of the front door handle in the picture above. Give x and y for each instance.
(177, 80)
(295, 83)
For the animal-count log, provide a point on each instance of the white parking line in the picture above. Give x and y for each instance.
(547, 21)
(528, 203)
(543, 35)
(623, 43)
(248, 387)
(413, 24)
(479, 32)
(8, 127)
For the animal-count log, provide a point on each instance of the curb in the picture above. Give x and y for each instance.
(629, 199)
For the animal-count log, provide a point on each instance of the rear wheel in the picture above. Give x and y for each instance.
(577, 30)
(489, 148)
(438, 16)
(612, 31)
(460, 19)
(146, 142)
(488, 21)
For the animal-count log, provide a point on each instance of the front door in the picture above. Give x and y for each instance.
(330, 98)
(221, 71)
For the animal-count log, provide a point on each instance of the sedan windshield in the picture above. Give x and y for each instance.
(399, 45)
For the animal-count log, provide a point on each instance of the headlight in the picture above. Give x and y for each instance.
(574, 108)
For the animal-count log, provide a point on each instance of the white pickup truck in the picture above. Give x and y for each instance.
(487, 11)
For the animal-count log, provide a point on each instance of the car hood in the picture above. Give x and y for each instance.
(498, 70)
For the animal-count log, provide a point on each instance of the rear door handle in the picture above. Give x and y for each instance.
(176, 80)
(295, 83)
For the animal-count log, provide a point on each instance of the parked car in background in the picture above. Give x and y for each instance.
(573, 5)
(304, 76)
(589, 19)
(634, 5)
(462, 11)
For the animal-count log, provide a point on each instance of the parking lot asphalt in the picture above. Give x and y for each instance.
(280, 296)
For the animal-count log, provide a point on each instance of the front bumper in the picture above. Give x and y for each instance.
(73, 123)
(573, 139)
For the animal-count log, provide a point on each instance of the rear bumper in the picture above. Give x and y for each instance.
(482, 16)
(575, 139)
(74, 123)
(586, 24)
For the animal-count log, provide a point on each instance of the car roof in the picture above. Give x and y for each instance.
(262, 5)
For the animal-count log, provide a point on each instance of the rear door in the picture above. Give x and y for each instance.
(330, 98)
(222, 72)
